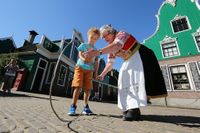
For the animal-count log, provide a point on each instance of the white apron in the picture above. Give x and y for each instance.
(131, 84)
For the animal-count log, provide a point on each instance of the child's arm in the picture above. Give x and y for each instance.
(81, 56)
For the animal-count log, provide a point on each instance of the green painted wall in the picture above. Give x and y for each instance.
(185, 39)
(28, 63)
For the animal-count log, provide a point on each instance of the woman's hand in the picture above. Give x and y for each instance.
(100, 77)
(91, 53)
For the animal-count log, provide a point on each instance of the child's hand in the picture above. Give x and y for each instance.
(88, 59)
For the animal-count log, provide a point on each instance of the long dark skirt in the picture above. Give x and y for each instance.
(154, 81)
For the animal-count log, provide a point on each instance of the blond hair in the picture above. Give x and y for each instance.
(93, 31)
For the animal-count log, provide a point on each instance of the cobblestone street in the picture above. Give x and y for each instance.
(23, 112)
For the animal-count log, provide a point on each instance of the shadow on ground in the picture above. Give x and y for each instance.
(188, 121)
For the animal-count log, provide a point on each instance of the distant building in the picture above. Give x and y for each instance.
(176, 43)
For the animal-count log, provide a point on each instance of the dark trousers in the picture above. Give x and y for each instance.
(8, 83)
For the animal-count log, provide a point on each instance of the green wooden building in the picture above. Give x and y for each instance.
(176, 43)
(38, 61)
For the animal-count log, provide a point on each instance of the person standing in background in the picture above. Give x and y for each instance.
(9, 76)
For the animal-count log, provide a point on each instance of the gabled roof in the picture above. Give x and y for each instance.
(7, 45)
(9, 38)
(173, 4)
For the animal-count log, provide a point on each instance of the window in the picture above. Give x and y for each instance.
(180, 24)
(50, 72)
(170, 49)
(74, 50)
(179, 78)
(49, 45)
(75, 54)
(62, 75)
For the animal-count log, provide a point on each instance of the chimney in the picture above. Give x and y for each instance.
(32, 36)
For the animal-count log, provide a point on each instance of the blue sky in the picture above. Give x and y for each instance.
(57, 18)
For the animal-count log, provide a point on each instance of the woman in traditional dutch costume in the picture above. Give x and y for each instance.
(139, 76)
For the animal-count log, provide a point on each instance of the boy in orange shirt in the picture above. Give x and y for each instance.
(84, 73)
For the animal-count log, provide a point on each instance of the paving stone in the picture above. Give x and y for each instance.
(31, 130)
(33, 114)
(4, 129)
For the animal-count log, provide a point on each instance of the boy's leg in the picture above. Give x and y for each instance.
(86, 96)
(86, 110)
(72, 109)
(77, 85)
(76, 94)
(87, 85)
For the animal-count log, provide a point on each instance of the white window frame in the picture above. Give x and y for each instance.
(38, 67)
(188, 74)
(167, 40)
(177, 17)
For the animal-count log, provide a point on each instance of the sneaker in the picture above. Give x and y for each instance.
(72, 110)
(87, 111)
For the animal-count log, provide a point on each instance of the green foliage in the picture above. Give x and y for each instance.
(5, 58)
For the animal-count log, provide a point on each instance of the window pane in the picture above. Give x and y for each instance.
(42, 64)
(62, 75)
(51, 71)
(169, 49)
(182, 69)
(170, 53)
(174, 70)
(176, 53)
(185, 26)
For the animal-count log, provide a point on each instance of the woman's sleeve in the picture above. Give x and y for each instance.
(121, 38)
(111, 58)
